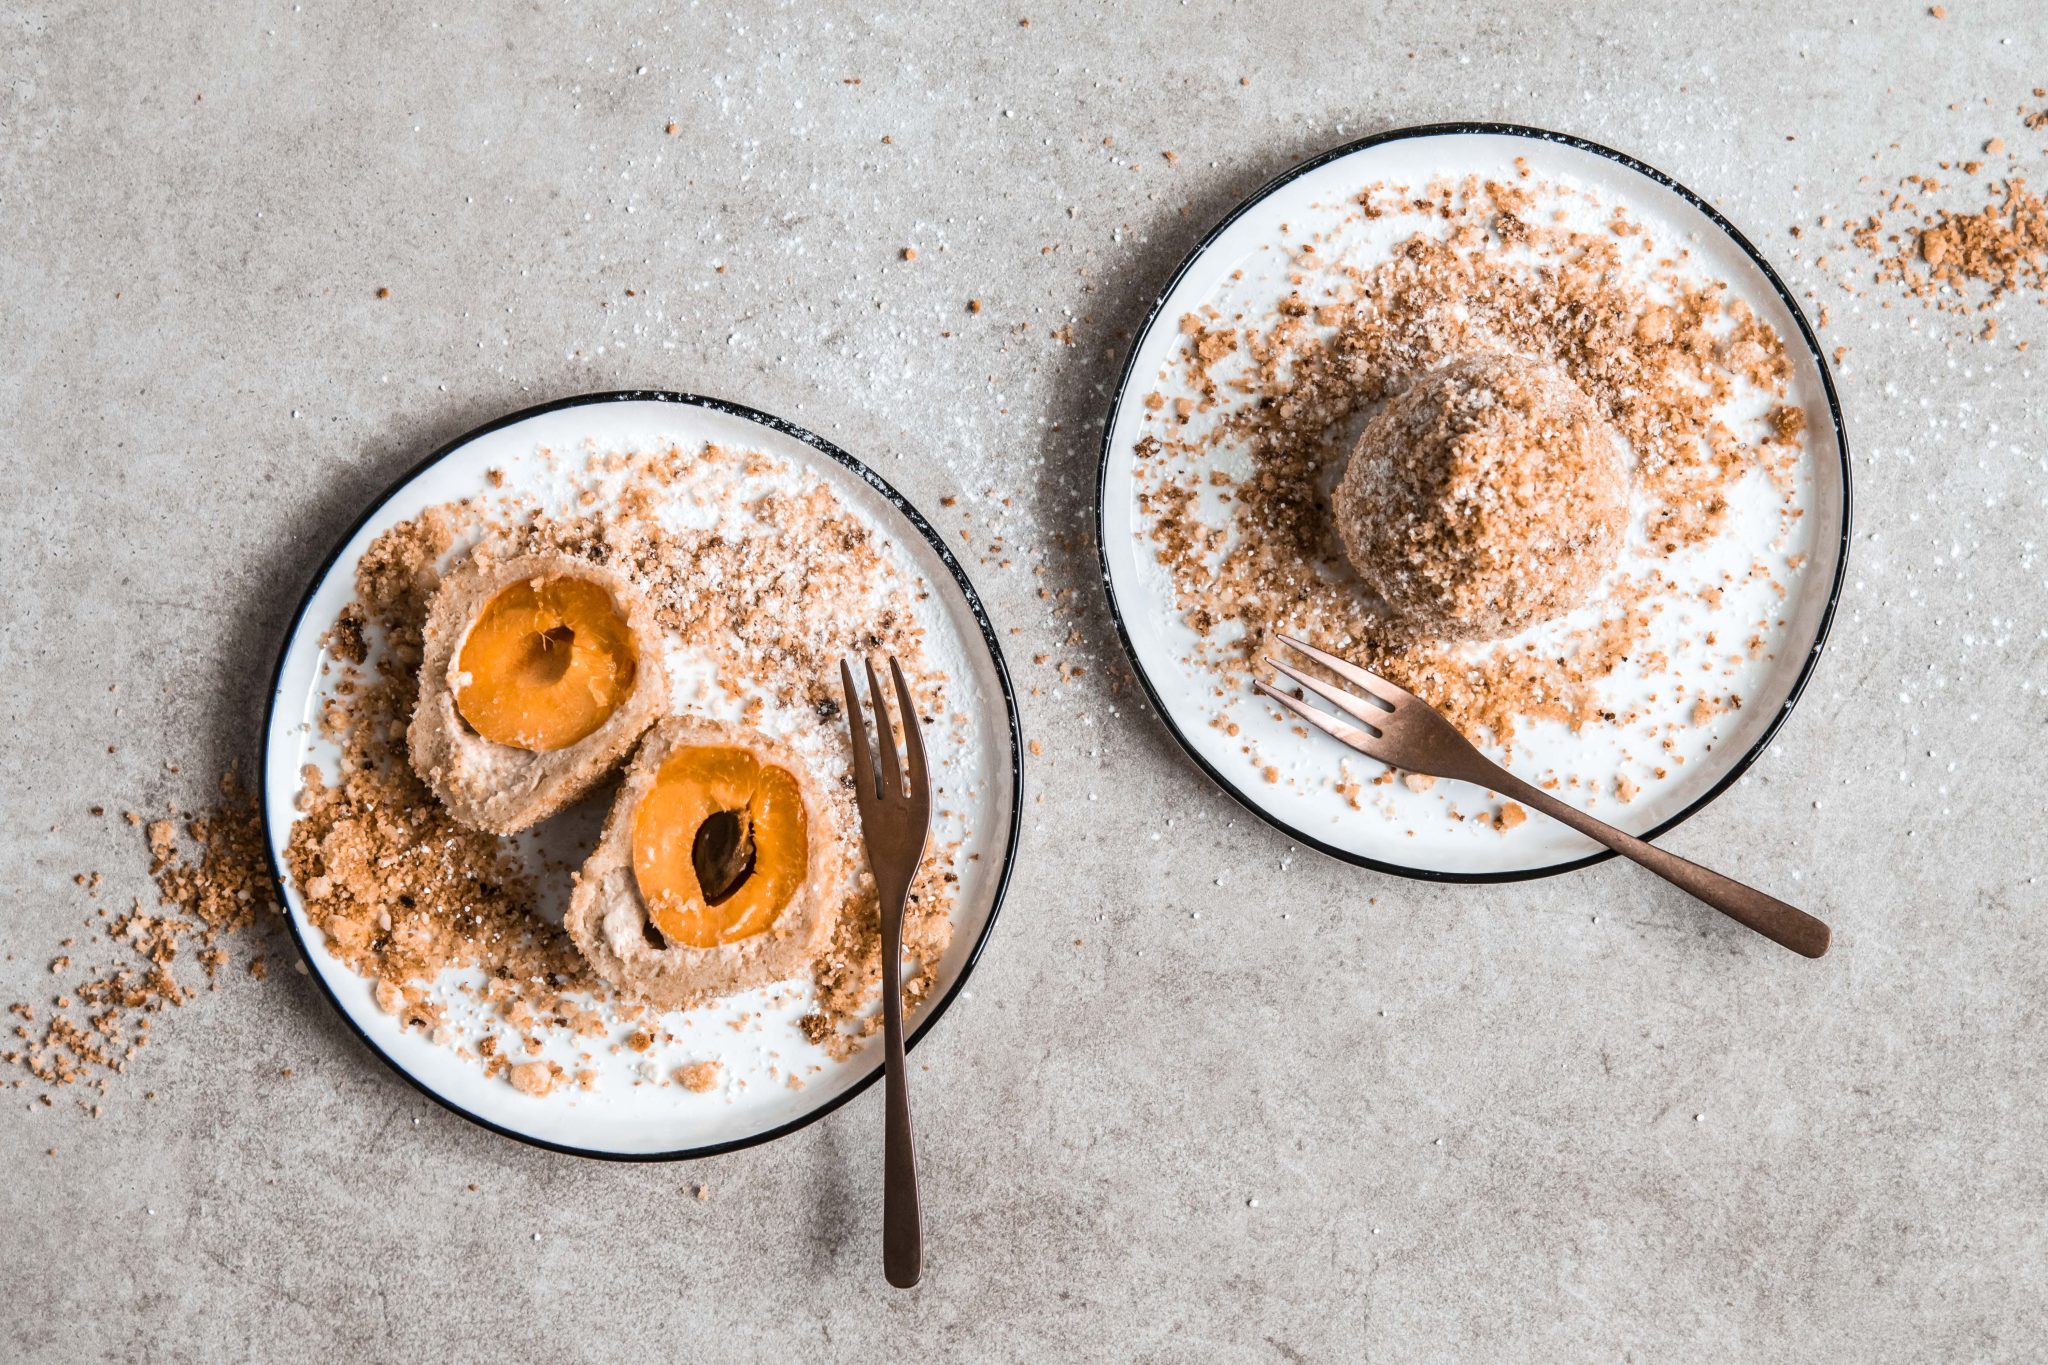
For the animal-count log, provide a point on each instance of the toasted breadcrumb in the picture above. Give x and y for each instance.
(1963, 258)
(1654, 348)
(403, 893)
(533, 1078)
(213, 882)
(699, 1077)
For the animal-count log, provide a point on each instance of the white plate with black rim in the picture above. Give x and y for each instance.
(631, 1116)
(1421, 833)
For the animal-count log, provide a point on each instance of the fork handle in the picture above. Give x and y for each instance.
(902, 1216)
(1785, 925)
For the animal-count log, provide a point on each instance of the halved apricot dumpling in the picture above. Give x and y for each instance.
(546, 663)
(538, 673)
(721, 868)
(720, 844)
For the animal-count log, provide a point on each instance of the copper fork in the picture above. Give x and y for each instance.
(1398, 728)
(895, 823)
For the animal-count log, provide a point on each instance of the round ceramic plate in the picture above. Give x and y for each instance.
(1242, 265)
(632, 1113)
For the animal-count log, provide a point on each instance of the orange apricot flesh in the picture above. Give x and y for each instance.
(547, 664)
(721, 843)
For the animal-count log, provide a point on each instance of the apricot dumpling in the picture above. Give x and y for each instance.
(720, 868)
(538, 674)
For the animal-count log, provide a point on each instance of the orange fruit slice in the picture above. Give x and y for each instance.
(721, 844)
(547, 664)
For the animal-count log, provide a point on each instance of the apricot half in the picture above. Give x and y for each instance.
(721, 844)
(547, 664)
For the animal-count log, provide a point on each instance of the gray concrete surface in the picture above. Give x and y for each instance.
(1407, 1123)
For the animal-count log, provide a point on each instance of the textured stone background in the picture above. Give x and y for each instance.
(1451, 1124)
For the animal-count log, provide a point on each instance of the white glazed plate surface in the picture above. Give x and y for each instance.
(630, 1114)
(1416, 833)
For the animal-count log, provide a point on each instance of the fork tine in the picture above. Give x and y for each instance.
(889, 771)
(913, 733)
(1343, 668)
(857, 727)
(1373, 717)
(1321, 719)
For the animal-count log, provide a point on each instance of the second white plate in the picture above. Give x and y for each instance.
(1417, 834)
